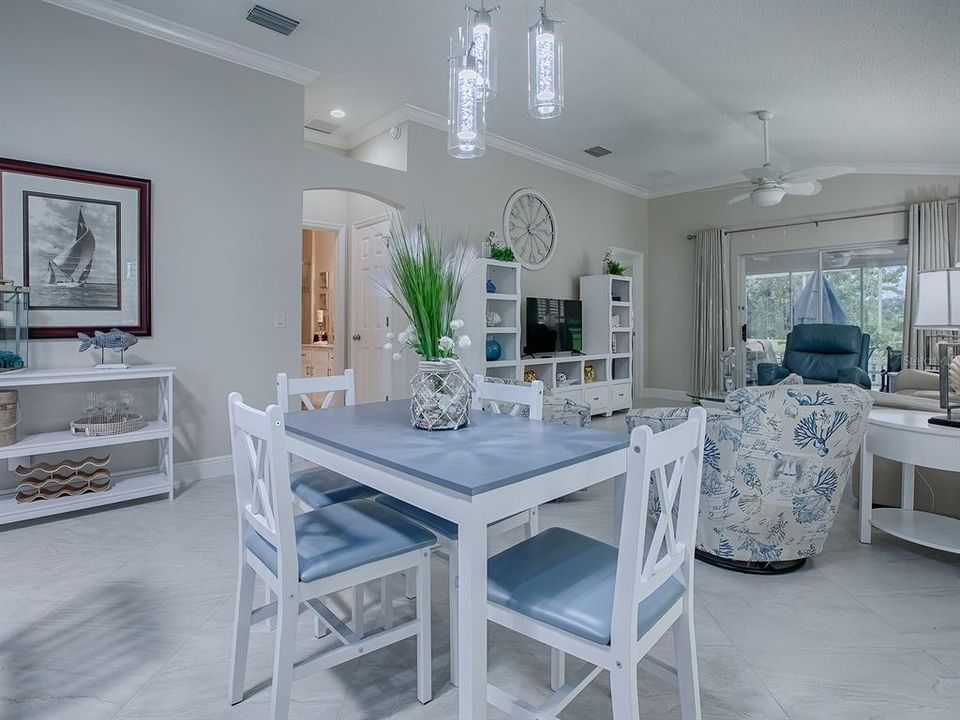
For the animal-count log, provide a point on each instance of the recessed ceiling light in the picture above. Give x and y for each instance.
(337, 113)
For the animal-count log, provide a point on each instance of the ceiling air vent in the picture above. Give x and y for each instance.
(272, 20)
(597, 151)
(321, 126)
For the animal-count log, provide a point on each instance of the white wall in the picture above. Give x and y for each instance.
(384, 150)
(224, 148)
(465, 198)
(220, 143)
(671, 271)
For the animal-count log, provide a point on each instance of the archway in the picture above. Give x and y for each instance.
(343, 321)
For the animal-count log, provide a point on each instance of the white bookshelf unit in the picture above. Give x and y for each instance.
(611, 388)
(125, 486)
(608, 325)
(476, 301)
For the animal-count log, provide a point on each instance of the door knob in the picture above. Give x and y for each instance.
(356, 337)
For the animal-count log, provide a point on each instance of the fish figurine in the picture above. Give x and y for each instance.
(115, 339)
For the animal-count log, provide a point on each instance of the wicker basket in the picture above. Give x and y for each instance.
(97, 426)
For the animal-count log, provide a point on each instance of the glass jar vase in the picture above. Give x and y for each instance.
(439, 396)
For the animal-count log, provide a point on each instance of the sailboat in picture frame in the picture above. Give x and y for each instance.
(81, 241)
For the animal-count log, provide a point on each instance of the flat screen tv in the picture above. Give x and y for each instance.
(553, 326)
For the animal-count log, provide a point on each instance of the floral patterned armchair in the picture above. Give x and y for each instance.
(774, 468)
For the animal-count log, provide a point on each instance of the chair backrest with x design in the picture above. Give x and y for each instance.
(508, 398)
(306, 386)
(261, 472)
(671, 464)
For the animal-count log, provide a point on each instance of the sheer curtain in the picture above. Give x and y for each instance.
(929, 248)
(713, 332)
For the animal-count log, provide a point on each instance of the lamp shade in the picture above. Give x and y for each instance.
(938, 299)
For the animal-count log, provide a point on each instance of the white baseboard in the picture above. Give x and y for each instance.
(203, 469)
(665, 394)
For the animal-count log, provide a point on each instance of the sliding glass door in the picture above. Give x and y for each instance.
(862, 286)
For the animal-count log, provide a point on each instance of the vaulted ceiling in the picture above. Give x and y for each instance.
(668, 86)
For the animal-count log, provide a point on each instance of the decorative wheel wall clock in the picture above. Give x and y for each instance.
(530, 228)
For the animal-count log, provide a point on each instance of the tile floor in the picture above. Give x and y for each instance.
(125, 613)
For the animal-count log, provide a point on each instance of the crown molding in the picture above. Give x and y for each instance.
(868, 169)
(908, 169)
(380, 125)
(421, 116)
(160, 28)
(327, 139)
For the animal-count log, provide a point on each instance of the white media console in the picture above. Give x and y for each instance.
(608, 337)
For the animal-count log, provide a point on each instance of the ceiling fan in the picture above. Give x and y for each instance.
(772, 184)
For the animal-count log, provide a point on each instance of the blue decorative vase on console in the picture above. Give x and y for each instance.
(494, 351)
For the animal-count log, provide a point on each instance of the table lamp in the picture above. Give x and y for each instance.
(938, 308)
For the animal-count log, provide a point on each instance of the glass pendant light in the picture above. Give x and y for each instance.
(484, 43)
(466, 123)
(545, 73)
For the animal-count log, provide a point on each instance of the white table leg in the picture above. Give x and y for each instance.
(472, 620)
(906, 486)
(866, 491)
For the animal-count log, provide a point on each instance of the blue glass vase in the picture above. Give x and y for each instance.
(494, 351)
(491, 288)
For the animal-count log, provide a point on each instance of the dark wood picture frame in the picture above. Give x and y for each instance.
(142, 188)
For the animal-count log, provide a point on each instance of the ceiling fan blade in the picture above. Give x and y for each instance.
(803, 188)
(767, 172)
(740, 198)
(817, 173)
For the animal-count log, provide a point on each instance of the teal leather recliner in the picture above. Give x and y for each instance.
(821, 354)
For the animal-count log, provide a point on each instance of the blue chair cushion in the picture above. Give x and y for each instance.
(437, 524)
(565, 579)
(344, 536)
(319, 487)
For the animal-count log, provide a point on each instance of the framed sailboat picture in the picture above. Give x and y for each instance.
(81, 241)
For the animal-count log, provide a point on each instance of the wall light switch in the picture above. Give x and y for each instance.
(280, 319)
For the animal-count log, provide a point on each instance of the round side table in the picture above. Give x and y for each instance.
(906, 436)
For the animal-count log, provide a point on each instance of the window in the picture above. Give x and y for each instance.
(861, 286)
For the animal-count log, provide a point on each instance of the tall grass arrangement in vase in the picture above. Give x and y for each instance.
(425, 280)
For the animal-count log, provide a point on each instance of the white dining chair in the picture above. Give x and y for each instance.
(609, 605)
(304, 557)
(508, 399)
(316, 487)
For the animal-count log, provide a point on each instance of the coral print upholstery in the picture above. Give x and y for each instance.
(775, 464)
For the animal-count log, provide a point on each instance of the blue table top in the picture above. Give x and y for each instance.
(493, 451)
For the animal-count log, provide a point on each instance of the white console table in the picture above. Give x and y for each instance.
(906, 436)
(156, 480)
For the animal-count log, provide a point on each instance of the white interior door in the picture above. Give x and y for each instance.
(369, 311)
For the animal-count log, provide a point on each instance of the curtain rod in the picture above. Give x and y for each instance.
(693, 236)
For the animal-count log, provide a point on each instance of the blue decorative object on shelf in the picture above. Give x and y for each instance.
(116, 340)
(491, 288)
(494, 351)
(10, 360)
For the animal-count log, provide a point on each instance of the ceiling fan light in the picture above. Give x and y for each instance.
(767, 196)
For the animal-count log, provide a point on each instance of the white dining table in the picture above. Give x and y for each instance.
(495, 467)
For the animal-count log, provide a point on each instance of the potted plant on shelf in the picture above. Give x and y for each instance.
(425, 281)
(612, 266)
